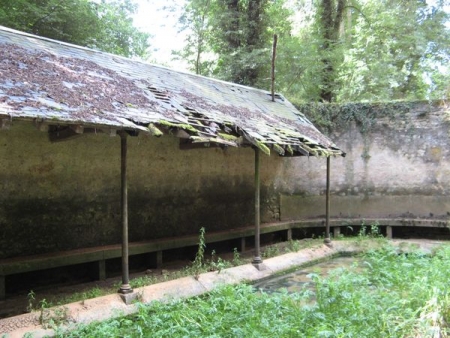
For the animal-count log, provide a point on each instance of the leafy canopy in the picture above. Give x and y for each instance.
(103, 25)
(328, 50)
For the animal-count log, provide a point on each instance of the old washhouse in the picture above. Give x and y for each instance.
(86, 201)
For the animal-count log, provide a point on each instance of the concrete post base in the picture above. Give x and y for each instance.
(129, 298)
(260, 266)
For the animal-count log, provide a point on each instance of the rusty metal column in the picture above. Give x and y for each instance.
(257, 259)
(125, 287)
(327, 239)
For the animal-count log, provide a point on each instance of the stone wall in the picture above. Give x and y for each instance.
(66, 195)
(398, 168)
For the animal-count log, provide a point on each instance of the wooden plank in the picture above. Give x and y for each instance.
(98, 254)
(43, 262)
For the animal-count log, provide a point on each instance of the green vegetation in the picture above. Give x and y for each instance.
(329, 116)
(389, 294)
(103, 25)
(328, 50)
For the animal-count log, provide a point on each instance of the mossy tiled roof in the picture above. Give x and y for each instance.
(57, 83)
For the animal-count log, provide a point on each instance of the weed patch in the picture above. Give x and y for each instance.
(391, 294)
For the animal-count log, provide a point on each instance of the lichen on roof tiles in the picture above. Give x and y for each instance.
(49, 80)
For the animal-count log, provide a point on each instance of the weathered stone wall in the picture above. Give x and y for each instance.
(61, 196)
(66, 195)
(399, 167)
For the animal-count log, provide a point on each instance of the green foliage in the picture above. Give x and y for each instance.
(389, 294)
(232, 39)
(31, 298)
(243, 33)
(236, 257)
(385, 61)
(331, 116)
(372, 51)
(294, 245)
(217, 263)
(198, 263)
(196, 19)
(339, 51)
(142, 281)
(373, 231)
(271, 251)
(104, 25)
(81, 296)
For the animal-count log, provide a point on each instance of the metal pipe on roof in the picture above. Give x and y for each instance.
(327, 239)
(125, 287)
(257, 258)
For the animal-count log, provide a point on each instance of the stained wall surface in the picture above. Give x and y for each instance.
(66, 195)
(399, 168)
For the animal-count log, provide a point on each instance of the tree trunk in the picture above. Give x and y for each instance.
(331, 14)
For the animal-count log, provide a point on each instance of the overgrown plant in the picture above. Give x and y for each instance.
(271, 251)
(294, 245)
(31, 298)
(199, 260)
(236, 257)
(388, 294)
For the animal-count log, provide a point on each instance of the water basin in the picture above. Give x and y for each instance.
(297, 280)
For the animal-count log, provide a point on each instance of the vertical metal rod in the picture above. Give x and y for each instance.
(327, 239)
(257, 259)
(274, 55)
(125, 287)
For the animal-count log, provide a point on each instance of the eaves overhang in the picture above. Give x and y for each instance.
(57, 84)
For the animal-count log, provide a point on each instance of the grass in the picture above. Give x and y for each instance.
(200, 265)
(390, 294)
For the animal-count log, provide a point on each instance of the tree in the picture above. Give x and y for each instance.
(330, 14)
(196, 19)
(106, 25)
(369, 50)
(232, 39)
(398, 51)
(243, 31)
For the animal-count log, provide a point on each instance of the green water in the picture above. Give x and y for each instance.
(297, 280)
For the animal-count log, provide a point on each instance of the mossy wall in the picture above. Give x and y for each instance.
(397, 164)
(66, 195)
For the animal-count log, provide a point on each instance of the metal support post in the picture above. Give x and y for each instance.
(125, 287)
(257, 258)
(327, 239)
